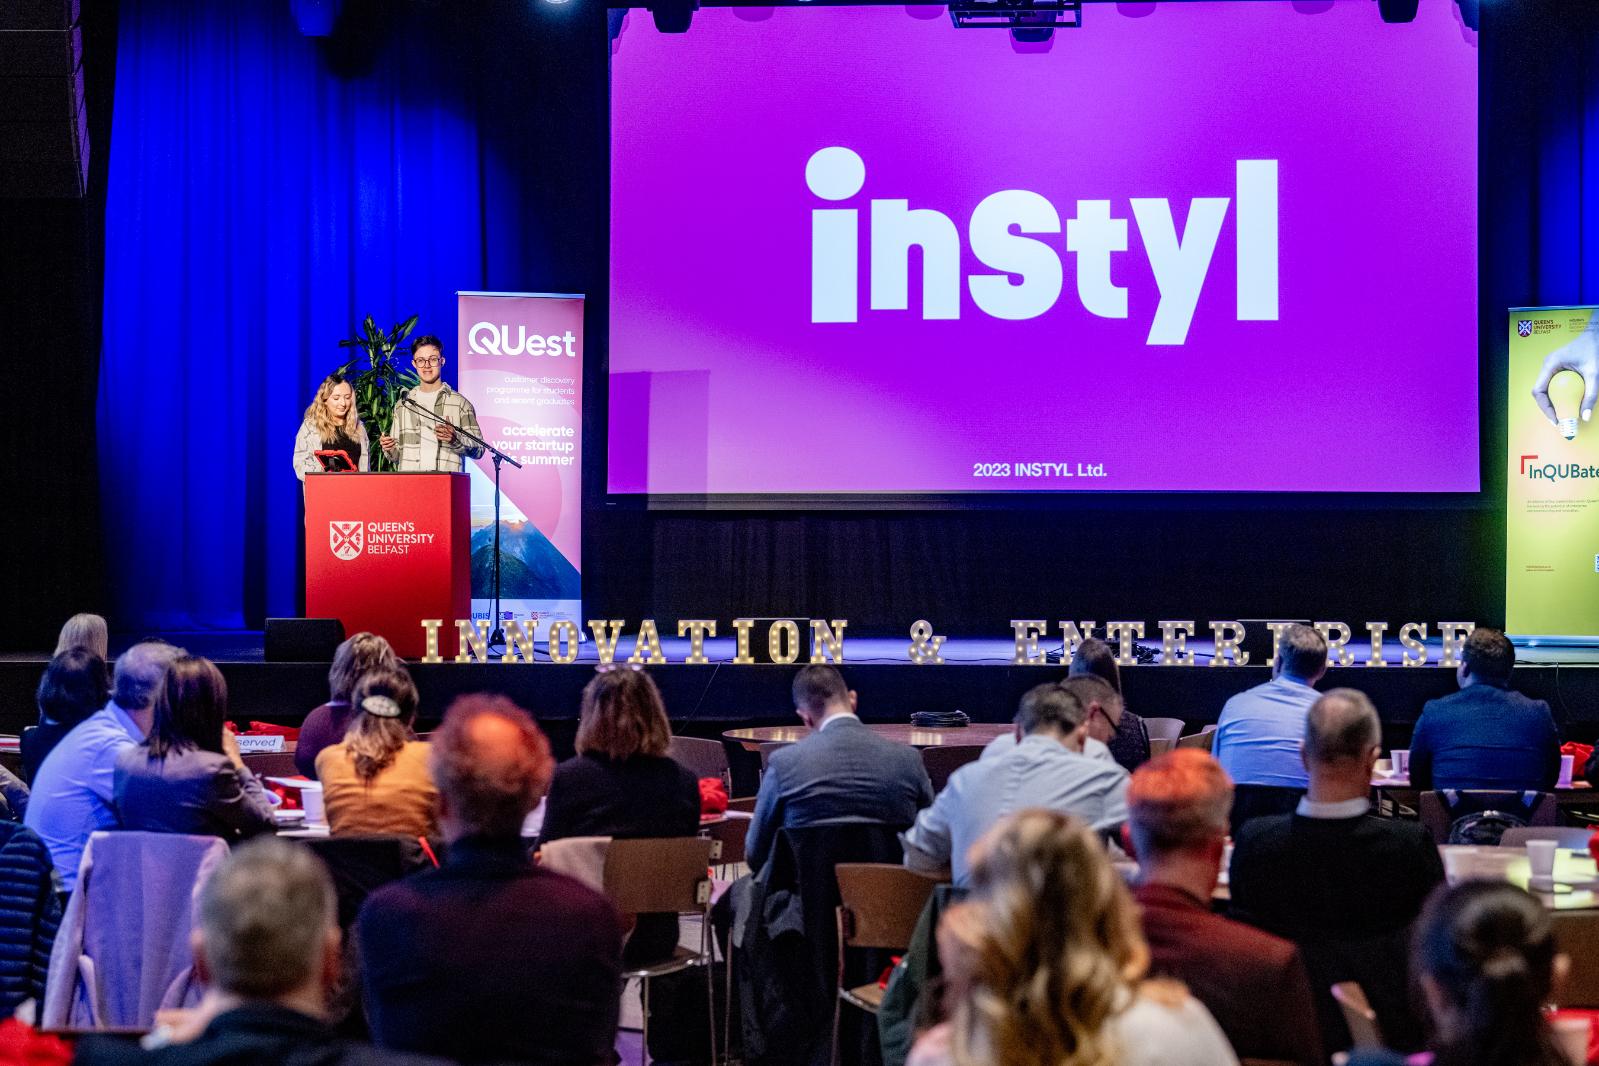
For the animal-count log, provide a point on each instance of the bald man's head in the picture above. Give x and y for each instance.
(1342, 726)
(491, 764)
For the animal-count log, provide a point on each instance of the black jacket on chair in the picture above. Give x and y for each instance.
(787, 954)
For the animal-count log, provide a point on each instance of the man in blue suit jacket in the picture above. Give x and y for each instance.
(842, 772)
(1485, 736)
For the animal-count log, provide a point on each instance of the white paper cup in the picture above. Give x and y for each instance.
(1541, 857)
(1384, 768)
(1401, 757)
(1568, 763)
(1572, 1034)
(311, 800)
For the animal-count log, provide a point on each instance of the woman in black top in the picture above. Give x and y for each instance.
(74, 687)
(622, 784)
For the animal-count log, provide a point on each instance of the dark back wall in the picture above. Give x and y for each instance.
(535, 75)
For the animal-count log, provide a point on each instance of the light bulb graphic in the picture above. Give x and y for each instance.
(1565, 392)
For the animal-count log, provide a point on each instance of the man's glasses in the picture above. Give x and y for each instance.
(430, 361)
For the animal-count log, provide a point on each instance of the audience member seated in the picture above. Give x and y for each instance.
(1044, 963)
(1096, 658)
(377, 782)
(1486, 963)
(1485, 736)
(327, 724)
(1104, 709)
(267, 949)
(1260, 729)
(1338, 881)
(491, 958)
(1046, 768)
(74, 686)
(74, 790)
(623, 784)
(86, 631)
(1252, 982)
(187, 776)
(842, 772)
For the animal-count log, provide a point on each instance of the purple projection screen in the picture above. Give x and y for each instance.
(1196, 246)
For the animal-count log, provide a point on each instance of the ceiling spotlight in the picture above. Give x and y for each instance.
(1398, 10)
(1029, 21)
(673, 16)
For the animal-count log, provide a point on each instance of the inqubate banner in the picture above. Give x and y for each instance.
(521, 365)
(1552, 505)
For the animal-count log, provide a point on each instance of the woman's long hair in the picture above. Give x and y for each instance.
(1055, 954)
(317, 413)
(385, 707)
(1489, 951)
(86, 631)
(1096, 658)
(190, 708)
(622, 716)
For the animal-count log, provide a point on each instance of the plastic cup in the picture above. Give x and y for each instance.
(1401, 757)
(1541, 857)
(1568, 763)
(311, 800)
(1572, 1032)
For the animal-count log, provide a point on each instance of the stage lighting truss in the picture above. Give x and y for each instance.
(1024, 15)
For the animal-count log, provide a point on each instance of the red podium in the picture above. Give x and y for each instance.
(384, 551)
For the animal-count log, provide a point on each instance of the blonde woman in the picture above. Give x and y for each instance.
(330, 424)
(377, 781)
(86, 631)
(1045, 963)
(327, 724)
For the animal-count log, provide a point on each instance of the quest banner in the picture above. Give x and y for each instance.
(1552, 505)
(522, 368)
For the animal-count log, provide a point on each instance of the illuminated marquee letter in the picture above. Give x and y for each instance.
(1413, 635)
(1337, 635)
(1229, 637)
(1124, 633)
(518, 639)
(1174, 644)
(430, 627)
(563, 641)
(741, 636)
(647, 641)
(605, 638)
(696, 629)
(1376, 629)
(1027, 631)
(1454, 636)
(1072, 635)
(827, 640)
(474, 639)
(783, 642)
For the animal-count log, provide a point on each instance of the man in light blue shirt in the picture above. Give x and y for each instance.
(1261, 730)
(72, 792)
(1046, 768)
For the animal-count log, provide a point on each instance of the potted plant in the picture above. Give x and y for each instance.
(378, 387)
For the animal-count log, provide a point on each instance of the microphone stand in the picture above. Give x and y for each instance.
(497, 637)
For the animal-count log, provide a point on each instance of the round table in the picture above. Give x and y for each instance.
(978, 734)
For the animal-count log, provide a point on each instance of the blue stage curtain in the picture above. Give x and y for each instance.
(259, 205)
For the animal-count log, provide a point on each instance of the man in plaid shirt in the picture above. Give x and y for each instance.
(418, 443)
